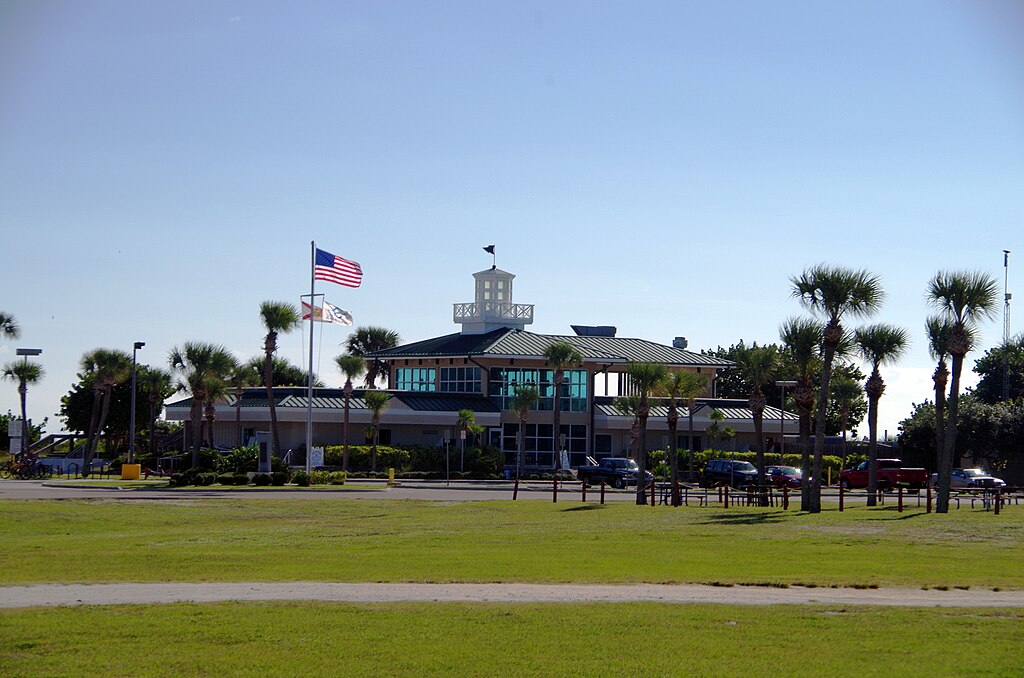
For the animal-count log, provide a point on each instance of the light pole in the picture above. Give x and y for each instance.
(25, 430)
(131, 419)
(783, 385)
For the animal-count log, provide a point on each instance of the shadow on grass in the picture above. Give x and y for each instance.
(584, 507)
(744, 518)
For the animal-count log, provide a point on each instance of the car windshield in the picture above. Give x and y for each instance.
(743, 466)
(974, 472)
(628, 464)
(786, 470)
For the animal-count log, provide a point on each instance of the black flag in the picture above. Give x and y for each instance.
(489, 249)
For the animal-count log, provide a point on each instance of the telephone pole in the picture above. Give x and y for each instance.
(1006, 325)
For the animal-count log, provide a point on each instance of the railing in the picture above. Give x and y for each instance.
(492, 310)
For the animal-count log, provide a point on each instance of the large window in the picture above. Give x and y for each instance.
(460, 379)
(415, 378)
(504, 380)
(540, 445)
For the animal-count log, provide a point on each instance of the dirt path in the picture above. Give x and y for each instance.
(119, 594)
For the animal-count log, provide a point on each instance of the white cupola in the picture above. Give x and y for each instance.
(493, 308)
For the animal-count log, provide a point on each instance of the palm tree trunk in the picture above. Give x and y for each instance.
(949, 446)
(819, 431)
(197, 429)
(673, 425)
(521, 459)
(373, 450)
(872, 450)
(690, 446)
(557, 419)
(26, 440)
(104, 410)
(940, 377)
(641, 458)
(275, 446)
(94, 419)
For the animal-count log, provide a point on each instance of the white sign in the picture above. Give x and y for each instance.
(15, 446)
(316, 459)
(14, 428)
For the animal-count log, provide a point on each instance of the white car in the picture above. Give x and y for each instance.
(970, 477)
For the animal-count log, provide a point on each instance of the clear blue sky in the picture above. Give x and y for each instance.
(664, 167)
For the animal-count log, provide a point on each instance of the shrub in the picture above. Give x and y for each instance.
(238, 460)
(279, 478)
(226, 479)
(241, 478)
(301, 478)
(338, 478)
(319, 477)
(261, 479)
(206, 479)
(177, 480)
(359, 456)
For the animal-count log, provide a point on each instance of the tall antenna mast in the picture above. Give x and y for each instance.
(1006, 324)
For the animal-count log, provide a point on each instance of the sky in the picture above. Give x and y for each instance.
(663, 167)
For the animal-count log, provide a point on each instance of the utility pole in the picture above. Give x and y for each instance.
(1006, 325)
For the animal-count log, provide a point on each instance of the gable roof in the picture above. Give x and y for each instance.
(733, 409)
(334, 399)
(507, 342)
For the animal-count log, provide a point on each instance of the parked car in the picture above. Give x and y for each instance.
(616, 471)
(969, 477)
(740, 474)
(890, 474)
(784, 476)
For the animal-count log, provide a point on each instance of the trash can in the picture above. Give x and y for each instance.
(131, 471)
(508, 474)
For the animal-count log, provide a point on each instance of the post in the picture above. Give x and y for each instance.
(554, 491)
(391, 477)
(309, 392)
(131, 417)
(842, 493)
(602, 491)
(899, 508)
(584, 487)
(726, 496)
(999, 500)
(515, 490)
(785, 497)
(653, 484)
(928, 504)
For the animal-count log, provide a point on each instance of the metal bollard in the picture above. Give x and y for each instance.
(515, 490)
(842, 495)
(928, 504)
(554, 491)
(602, 491)
(900, 505)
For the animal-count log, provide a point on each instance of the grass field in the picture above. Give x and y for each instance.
(340, 539)
(477, 639)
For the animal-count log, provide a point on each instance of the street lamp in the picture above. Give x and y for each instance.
(131, 419)
(783, 385)
(25, 430)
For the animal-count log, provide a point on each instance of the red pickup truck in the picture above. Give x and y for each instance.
(891, 474)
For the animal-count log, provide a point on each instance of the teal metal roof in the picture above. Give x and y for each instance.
(523, 344)
(334, 399)
(732, 409)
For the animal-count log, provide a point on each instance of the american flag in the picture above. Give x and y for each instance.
(337, 270)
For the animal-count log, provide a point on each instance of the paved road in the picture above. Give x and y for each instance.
(119, 594)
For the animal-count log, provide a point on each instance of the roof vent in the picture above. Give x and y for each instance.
(680, 342)
(594, 330)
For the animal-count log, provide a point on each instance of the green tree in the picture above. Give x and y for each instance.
(156, 386)
(759, 366)
(879, 345)
(203, 368)
(106, 369)
(244, 375)
(35, 430)
(366, 340)
(8, 326)
(833, 292)
(282, 373)
(847, 394)
(352, 366)
(939, 331)
(523, 400)
(376, 403)
(644, 379)
(990, 367)
(277, 317)
(679, 385)
(24, 373)
(802, 338)
(560, 356)
(963, 298)
(463, 421)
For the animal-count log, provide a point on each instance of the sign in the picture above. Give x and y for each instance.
(316, 459)
(14, 428)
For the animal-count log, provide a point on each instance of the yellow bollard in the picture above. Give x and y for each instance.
(131, 471)
(391, 477)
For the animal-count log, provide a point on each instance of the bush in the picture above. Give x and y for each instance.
(261, 479)
(319, 477)
(338, 478)
(278, 478)
(359, 456)
(226, 479)
(301, 478)
(238, 460)
(205, 479)
(177, 480)
(241, 478)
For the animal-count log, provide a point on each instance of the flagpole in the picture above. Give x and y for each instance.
(309, 395)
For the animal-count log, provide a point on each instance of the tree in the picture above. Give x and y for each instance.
(879, 345)
(847, 394)
(277, 317)
(157, 386)
(9, 326)
(352, 367)
(24, 373)
(679, 385)
(802, 338)
(203, 368)
(758, 365)
(366, 340)
(939, 331)
(833, 292)
(244, 374)
(376, 403)
(35, 431)
(716, 431)
(1002, 363)
(644, 379)
(106, 368)
(463, 421)
(523, 400)
(560, 356)
(964, 298)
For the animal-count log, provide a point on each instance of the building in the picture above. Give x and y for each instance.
(479, 367)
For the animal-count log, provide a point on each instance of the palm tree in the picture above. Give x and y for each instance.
(846, 393)
(879, 345)
(24, 373)
(366, 340)
(8, 326)
(802, 339)
(244, 374)
(523, 400)
(464, 420)
(627, 406)
(157, 385)
(282, 372)
(964, 298)
(560, 356)
(678, 385)
(644, 378)
(352, 366)
(833, 292)
(106, 368)
(277, 317)
(939, 331)
(203, 369)
(758, 365)
(376, 403)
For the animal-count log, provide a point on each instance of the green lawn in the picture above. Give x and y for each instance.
(339, 539)
(525, 639)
